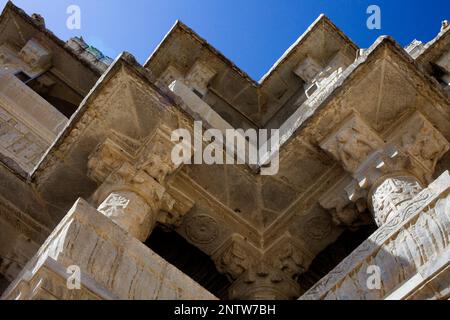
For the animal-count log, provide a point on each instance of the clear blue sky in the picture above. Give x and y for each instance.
(253, 34)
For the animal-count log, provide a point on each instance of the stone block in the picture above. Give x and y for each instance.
(113, 265)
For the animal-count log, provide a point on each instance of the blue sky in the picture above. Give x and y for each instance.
(253, 34)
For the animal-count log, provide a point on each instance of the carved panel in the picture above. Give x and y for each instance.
(352, 143)
(412, 239)
(422, 141)
(307, 69)
(202, 229)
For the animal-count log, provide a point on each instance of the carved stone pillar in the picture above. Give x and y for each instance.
(410, 251)
(384, 177)
(263, 282)
(394, 175)
(391, 195)
(130, 211)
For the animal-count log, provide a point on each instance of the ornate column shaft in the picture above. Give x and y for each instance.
(391, 195)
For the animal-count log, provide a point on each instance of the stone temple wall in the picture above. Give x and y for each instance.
(87, 172)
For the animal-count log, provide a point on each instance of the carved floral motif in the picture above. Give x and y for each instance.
(235, 259)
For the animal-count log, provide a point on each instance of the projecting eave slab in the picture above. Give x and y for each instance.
(244, 101)
(193, 37)
(123, 61)
(321, 20)
(383, 49)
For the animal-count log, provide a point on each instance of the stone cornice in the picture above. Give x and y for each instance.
(181, 27)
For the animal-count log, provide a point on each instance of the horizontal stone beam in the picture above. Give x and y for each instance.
(111, 264)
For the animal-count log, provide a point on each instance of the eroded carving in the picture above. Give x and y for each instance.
(199, 77)
(263, 282)
(203, 229)
(422, 141)
(352, 143)
(392, 195)
(235, 258)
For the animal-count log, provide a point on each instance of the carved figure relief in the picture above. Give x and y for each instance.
(114, 205)
(352, 144)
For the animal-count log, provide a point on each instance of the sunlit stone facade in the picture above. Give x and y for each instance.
(359, 209)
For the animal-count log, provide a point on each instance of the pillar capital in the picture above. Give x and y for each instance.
(390, 195)
(406, 160)
(264, 282)
(131, 177)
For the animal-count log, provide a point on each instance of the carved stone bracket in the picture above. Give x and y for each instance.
(132, 175)
(380, 172)
(352, 143)
(235, 257)
(421, 141)
(175, 206)
(263, 282)
(154, 157)
(107, 158)
(263, 275)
